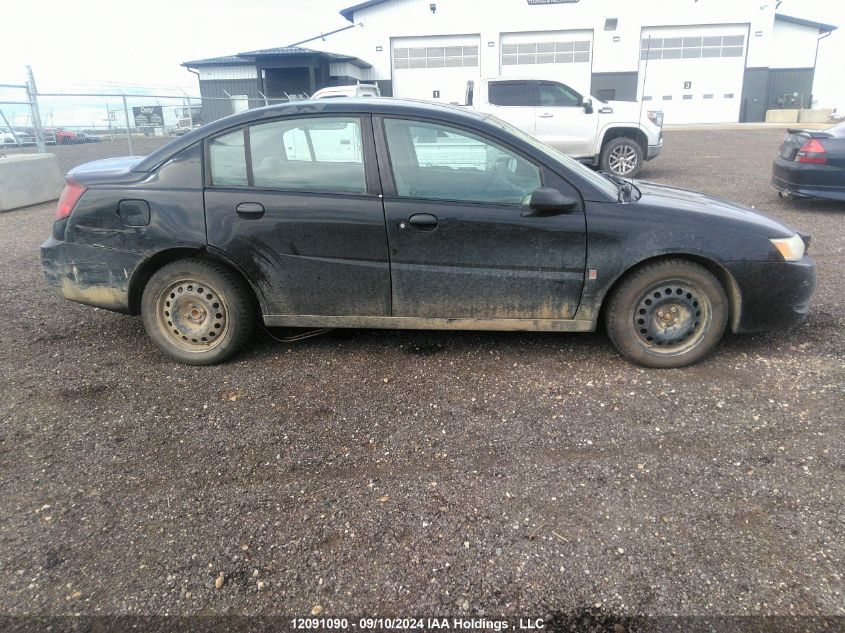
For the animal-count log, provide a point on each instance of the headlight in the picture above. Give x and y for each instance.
(656, 117)
(791, 248)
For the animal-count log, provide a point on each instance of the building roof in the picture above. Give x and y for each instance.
(349, 12)
(821, 26)
(249, 57)
(226, 60)
(280, 50)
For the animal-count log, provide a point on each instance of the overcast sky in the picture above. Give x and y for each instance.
(88, 44)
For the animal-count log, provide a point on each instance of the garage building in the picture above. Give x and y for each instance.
(704, 61)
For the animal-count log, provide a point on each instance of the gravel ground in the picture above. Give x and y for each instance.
(387, 473)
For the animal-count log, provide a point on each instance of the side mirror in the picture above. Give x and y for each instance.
(547, 201)
(588, 106)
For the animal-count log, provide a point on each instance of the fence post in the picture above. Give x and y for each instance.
(32, 97)
(126, 117)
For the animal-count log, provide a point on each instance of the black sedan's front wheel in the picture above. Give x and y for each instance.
(197, 312)
(670, 313)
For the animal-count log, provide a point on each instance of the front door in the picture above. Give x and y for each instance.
(292, 202)
(460, 246)
(562, 121)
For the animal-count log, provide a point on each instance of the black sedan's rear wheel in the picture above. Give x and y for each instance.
(197, 312)
(667, 314)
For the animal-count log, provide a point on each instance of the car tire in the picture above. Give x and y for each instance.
(197, 311)
(670, 313)
(622, 157)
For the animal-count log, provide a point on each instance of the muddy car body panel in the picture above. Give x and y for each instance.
(364, 248)
(97, 255)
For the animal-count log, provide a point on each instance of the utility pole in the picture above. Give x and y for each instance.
(32, 97)
(126, 117)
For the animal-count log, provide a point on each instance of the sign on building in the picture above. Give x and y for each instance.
(148, 116)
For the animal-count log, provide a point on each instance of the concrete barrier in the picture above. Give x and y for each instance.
(814, 116)
(781, 116)
(27, 179)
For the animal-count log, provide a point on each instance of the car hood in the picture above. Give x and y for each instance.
(702, 205)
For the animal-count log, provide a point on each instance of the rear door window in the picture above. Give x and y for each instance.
(314, 154)
(510, 93)
(309, 154)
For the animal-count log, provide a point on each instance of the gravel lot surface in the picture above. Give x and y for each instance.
(398, 473)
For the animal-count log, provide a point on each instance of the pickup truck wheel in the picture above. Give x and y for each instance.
(197, 312)
(622, 156)
(667, 314)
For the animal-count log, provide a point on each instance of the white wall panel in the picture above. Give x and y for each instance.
(243, 71)
(794, 45)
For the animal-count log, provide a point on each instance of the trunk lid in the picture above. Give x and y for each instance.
(795, 140)
(106, 170)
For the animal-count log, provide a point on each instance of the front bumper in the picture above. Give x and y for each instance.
(808, 180)
(654, 150)
(774, 295)
(92, 275)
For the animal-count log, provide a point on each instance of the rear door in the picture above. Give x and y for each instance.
(295, 203)
(514, 101)
(460, 244)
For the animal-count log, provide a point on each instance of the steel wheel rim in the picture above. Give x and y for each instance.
(192, 315)
(672, 317)
(622, 159)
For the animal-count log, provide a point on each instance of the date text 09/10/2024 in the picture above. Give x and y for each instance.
(418, 624)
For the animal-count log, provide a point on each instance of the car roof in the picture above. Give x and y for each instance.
(352, 105)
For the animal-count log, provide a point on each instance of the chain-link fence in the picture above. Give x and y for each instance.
(81, 127)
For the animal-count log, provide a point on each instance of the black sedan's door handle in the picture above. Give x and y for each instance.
(422, 222)
(250, 210)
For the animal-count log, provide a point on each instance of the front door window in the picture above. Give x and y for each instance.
(439, 162)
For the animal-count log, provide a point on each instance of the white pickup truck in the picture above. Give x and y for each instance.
(613, 135)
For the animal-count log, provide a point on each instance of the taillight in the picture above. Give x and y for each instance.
(811, 152)
(70, 196)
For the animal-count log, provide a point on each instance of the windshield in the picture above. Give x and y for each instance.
(597, 180)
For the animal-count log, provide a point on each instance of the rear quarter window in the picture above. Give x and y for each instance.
(228, 160)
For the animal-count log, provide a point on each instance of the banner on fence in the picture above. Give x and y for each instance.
(148, 116)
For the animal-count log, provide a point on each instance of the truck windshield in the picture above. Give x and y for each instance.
(598, 181)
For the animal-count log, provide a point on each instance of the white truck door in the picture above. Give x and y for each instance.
(562, 121)
(511, 100)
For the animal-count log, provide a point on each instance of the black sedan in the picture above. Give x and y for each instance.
(812, 164)
(382, 213)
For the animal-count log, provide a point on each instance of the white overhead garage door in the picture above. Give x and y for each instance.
(694, 74)
(435, 68)
(564, 56)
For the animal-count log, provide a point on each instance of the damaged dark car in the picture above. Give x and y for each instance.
(382, 213)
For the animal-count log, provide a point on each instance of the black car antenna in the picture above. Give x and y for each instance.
(642, 96)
